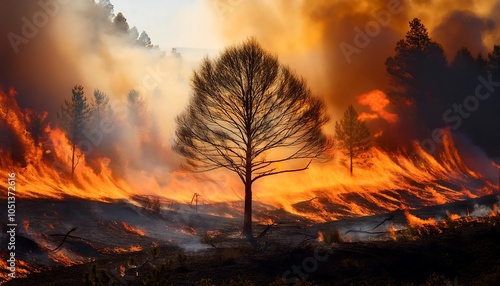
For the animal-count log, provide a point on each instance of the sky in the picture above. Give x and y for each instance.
(173, 23)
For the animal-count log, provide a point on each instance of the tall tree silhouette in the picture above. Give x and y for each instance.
(37, 126)
(418, 72)
(75, 115)
(352, 135)
(249, 114)
(120, 23)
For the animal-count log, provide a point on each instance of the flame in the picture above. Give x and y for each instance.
(418, 222)
(63, 256)
(494, 211)
(132, 229)
(392, 179)
(392, 232)
(122, 270)
(22, 270)
(133, 248)
(454, 217)
(320, 236)
(377, 101)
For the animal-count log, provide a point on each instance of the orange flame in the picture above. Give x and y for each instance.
(377, 101)
(381, 187)
(132, 229)
(133, 248)
(418, 222)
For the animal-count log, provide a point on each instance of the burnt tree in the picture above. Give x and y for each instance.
(249, 114)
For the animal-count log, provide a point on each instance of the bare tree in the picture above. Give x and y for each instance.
(249, 114)
(352, 134)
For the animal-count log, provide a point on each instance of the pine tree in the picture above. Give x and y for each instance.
(100, 107)
(75, 115)
(352, 135)
(37, 126)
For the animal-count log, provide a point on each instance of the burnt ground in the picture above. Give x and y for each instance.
(181, 247)
(458, 253)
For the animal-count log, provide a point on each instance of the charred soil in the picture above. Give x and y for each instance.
(466, 253)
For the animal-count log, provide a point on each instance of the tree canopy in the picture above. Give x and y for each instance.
(249, 114)
(353, 137)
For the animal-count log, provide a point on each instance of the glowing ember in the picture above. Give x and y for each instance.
(133, 248)
(133, 229)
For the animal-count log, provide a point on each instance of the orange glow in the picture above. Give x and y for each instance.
(494, 211)
(418, 222)
(133, 248)
(132, 229)
(392, 232)
(454, 217)
(377, 101)
(320, 236)
(325, 191)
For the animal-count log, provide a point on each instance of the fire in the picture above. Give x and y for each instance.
(320, 236)
(377, 101)
(494, 211)
(133, 248)
(392, 179)
(454, 217)
(22, 270)
(418, 222)
(392, 232)
(132, 229)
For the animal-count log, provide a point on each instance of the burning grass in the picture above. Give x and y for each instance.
(132, 229)
(466, 255)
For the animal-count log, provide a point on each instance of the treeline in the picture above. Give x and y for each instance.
(94, 129)
(432, 92)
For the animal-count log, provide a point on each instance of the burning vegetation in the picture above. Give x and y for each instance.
(107, 163)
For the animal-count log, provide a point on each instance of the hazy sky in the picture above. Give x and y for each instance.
(172, 23)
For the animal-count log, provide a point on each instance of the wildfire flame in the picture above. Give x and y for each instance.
(392, 179)
(133, 229)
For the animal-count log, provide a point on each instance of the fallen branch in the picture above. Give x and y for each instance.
(370, 230)
(64, 239)
(69, 236)
(265, 230)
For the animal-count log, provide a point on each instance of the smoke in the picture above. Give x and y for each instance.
(49, 46)
(464, 29)
(340, 46)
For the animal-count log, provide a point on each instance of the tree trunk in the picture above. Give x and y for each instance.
(73, 160)
(351, 162)
(247, 221)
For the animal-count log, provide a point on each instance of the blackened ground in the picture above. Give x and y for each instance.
(465, 253)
